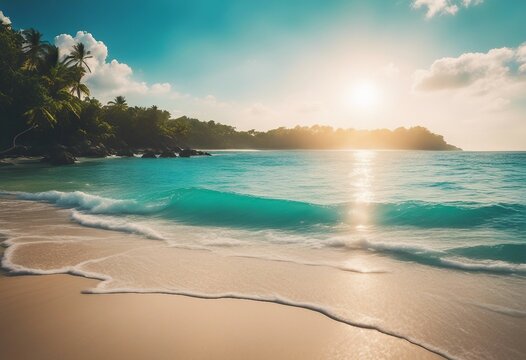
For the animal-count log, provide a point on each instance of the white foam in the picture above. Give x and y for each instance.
(82, 200)
(114, 224)
(377, 245)
(483, 265)
(502, 310)
(339, 266)
(18, 269)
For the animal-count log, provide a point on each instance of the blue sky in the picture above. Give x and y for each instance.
(261, 64)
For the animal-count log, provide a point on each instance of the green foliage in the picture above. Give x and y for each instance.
(211, 135)
(41, 100)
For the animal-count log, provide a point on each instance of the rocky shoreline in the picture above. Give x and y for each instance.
(66, 155)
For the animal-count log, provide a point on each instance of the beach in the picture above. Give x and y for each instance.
(69, 316)
(262, 180)
(211, 261)
(52, 316)
(48, 316)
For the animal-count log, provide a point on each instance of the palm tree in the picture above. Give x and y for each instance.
(78, 56)
(119, 102)
(50, 59)
(34, 47)
(75, 74)
(60, 82)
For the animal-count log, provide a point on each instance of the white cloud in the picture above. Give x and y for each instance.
(163, 88)
(110, 78)
(4, 19)
(496, 76)
(465, 70)
(107, 79)
(443, 7)
(521, 57)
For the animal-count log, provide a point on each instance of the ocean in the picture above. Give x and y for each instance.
(389, 240)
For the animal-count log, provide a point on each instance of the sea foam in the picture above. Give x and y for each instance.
(85, 201)
(115, 224)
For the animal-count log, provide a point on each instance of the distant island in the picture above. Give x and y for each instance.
(46, 110)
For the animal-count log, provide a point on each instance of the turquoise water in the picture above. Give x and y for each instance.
(460, 210)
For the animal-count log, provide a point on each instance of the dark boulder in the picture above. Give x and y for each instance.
(203, 153)
(185, 153)
(193, 152)
(168, 154)
(60, 157)
(125, 153)
(149, 155)
(75, 151)
(95, 151)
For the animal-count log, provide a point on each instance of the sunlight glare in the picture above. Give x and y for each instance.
(363, 95)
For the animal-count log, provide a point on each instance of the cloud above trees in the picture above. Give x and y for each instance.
(107, 78)
(4, 19)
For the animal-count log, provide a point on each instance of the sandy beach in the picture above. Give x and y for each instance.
(127, 301)
(47, 317)
(263, 180)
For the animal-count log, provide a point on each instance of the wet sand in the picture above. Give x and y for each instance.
(47, 317)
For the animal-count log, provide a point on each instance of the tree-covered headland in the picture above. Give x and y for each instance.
(45, 105)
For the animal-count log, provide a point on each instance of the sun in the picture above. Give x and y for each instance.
(363, 95)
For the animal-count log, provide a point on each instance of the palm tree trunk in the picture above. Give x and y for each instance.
(16, 137)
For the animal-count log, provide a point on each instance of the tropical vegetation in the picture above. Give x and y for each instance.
(44, 103)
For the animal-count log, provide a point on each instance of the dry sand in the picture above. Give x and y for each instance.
(47, 317)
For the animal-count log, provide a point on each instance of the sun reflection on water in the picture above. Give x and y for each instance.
(361, 178)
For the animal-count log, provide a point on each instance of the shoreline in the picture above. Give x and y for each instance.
(54, 314)
(131, 268)
(51, 313)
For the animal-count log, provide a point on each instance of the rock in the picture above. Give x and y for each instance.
(185, 153)
(193, 152)
(168, 154)
(96, 151)
(149, 155)
(60, 157)
(125, 153)
(75, 151)
(203, 153)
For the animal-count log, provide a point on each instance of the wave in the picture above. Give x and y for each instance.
(226, 208)
(335, 265)
(502, 310)
(513, 252)
(447, 258)
(84, 201)
(114, 224)
(497, 266)
(210, 207)
(453, 215)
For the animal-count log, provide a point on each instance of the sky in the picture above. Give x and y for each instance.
(457, 67)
